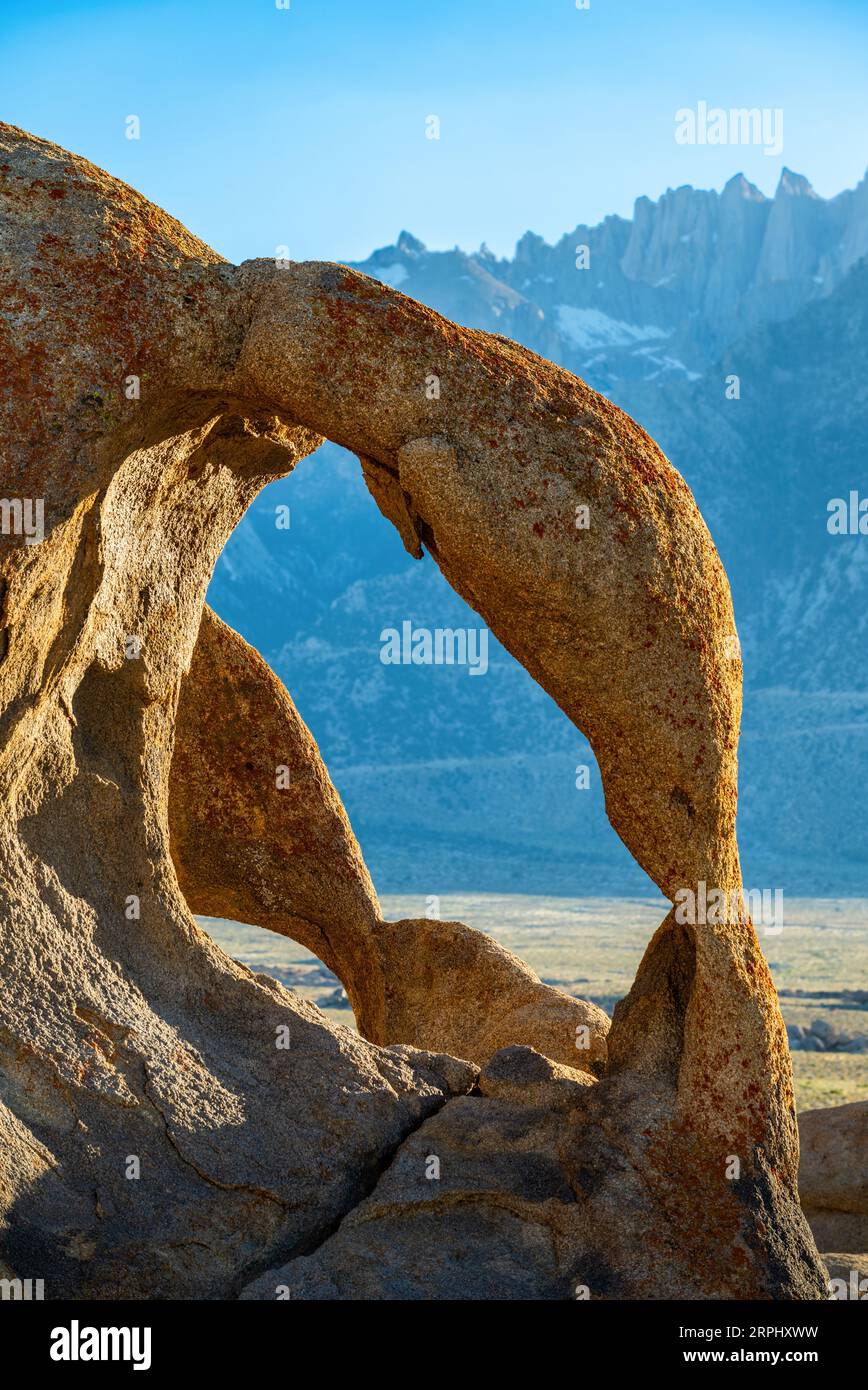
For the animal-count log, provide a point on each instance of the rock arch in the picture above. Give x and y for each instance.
(125, 1031)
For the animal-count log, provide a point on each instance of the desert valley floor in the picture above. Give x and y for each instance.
(591, 947)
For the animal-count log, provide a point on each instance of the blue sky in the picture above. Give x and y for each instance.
(305, 128)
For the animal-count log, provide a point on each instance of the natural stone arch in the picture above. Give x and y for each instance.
(628, 624)
(144, 1039)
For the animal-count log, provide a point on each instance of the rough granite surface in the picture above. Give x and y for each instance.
(172, 1125)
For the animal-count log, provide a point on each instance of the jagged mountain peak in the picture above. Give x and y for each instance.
(653, 298)
(410, 245)
(529, 245)
(795, 186)
(739, 186)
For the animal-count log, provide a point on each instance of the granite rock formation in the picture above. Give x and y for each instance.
(172, 1125)
(851, 1274)
(833, 1175)
(258, 832)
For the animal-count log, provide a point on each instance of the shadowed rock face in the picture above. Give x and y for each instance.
(833, 1175)
(258, 831)
(172, 1125)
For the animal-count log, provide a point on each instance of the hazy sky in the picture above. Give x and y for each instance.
(263, 127)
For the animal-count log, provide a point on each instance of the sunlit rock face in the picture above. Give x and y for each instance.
(172, 1125)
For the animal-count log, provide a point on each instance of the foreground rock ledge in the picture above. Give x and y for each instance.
(172, 1125)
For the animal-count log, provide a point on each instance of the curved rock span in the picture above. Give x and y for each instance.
(174, 1126)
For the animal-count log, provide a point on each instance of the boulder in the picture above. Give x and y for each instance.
(833, 1175)
(547, 1185)
(848, 1276)
(846, 1230)
(454, 989)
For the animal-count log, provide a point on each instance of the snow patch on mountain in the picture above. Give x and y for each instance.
(393, 275)
(591, 328)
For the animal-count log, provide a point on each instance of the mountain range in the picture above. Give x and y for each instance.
(732, 326)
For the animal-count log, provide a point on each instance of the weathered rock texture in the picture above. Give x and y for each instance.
(545, 1191)
(130, 1043)
(852, 1273)
(258, 832)
(833, 1175)
(452, 989)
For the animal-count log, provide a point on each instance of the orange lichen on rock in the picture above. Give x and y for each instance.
(128, 716)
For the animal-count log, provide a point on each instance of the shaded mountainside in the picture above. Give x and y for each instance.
(656, 297)
(459, 782)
